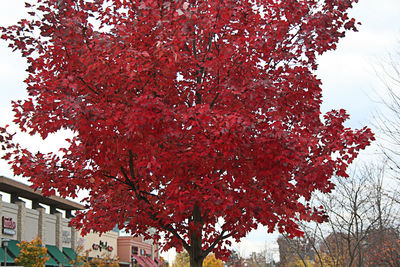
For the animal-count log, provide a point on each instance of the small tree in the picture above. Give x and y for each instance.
(211, 261)
(32, 253)
(181, 259)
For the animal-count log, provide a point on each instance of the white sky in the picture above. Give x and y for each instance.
(348, 76)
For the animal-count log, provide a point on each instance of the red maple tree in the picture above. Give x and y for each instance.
(199, 118)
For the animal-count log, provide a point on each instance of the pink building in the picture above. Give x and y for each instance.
(133, 251)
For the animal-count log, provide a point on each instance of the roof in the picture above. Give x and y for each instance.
(22, 190)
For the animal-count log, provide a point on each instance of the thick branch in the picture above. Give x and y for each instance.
(219, 239)
(151, 212)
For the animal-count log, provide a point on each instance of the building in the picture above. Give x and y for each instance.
(133, 250)
(99, 246)
(29, 214)
(20, 223)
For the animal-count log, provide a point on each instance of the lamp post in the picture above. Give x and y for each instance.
(4, 244)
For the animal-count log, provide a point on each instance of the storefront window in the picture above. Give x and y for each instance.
(135, 251)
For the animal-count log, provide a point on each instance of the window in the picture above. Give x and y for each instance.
(135, 251)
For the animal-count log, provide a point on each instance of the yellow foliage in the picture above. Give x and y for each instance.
(332, 261)
(32, 253)
(182, 259)
(298, 262)
(211, 261)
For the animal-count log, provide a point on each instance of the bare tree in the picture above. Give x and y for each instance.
(387, 119)
(295, 250)
(360, 210)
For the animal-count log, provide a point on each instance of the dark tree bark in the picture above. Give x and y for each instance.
(196, 252)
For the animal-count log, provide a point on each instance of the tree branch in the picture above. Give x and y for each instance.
(219, 238)
(151, 212)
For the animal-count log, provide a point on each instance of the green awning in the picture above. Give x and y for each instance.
(9, 259)
(70, 253)
(51, 261)
(58, 255)
(13, 248)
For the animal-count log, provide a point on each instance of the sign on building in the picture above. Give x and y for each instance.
(66, 236)
(8, 226)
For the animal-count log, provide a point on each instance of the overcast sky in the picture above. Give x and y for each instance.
(348, 76)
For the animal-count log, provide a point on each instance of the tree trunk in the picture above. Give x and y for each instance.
(198, 262)
(196, 252)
